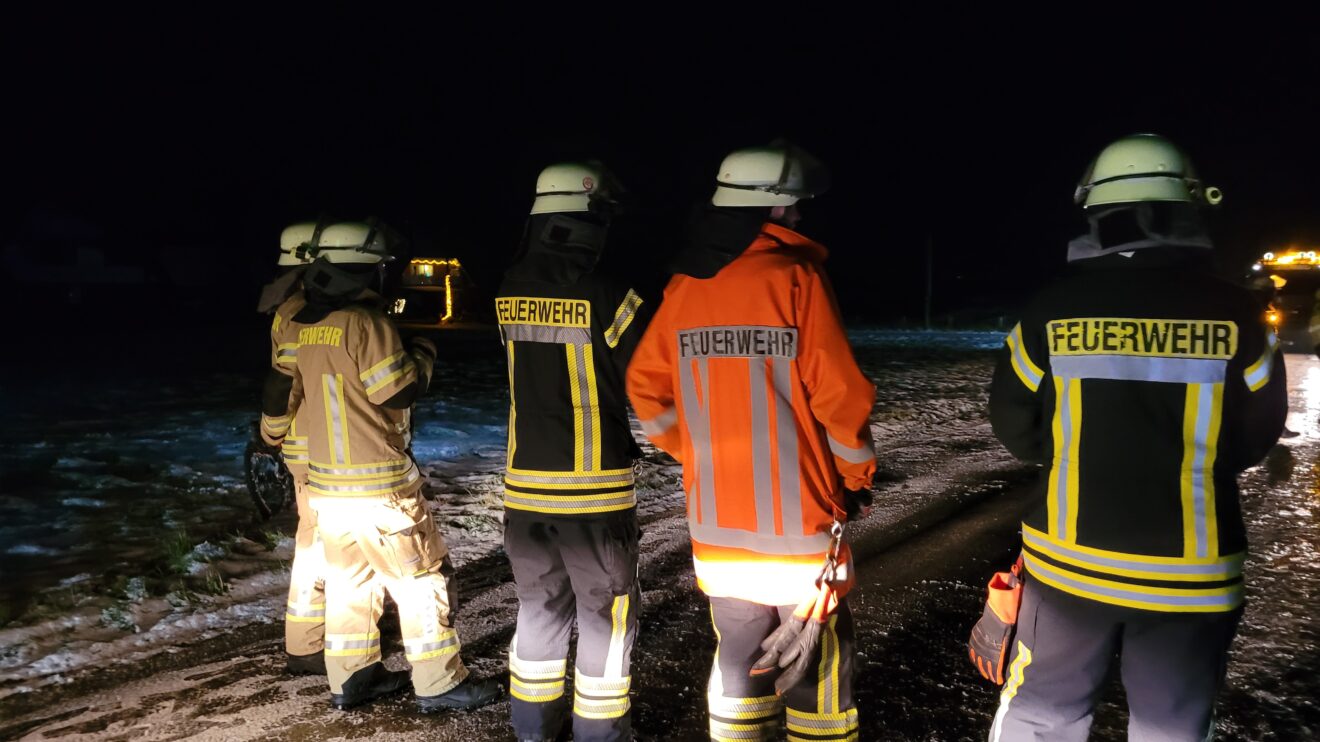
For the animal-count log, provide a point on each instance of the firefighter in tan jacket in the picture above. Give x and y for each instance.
(358, 383)
(304, 619)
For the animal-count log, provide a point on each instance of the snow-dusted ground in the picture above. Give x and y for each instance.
(128, 533)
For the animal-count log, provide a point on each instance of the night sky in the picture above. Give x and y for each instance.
(189, 141)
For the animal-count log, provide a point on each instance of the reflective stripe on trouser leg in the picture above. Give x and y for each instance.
(426, 622)
(538, 653)
(741, 707)
(354, 599)
(1061, 654)
(821, 706)
(600, 556)
(304, 620)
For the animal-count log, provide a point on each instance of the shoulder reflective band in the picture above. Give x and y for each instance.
(1028, 372)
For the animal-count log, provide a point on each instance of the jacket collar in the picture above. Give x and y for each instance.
(775, 236)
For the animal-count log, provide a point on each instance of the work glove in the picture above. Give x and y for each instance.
(992, 636)
(420, 345)
(857, 503)
(792, 646)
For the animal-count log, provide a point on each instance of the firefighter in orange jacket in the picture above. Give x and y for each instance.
(746, 377)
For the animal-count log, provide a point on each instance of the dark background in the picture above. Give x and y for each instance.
(181, 143)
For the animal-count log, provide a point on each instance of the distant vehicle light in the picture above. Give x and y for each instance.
(1272, 318)
(1291, 258)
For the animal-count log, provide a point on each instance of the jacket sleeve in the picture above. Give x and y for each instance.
(650, 380)
(1265, 407)
(281, 393)
(840, 395)
(1015, 406)
(384, 367)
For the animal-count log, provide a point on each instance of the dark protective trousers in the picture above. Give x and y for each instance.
(821, 707)
(566, 568)
(1172, 666)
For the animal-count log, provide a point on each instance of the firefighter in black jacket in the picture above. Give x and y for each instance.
(570, 526)
(1144, 385)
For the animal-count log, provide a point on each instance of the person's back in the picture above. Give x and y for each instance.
(570, 524)
(1144, 385)
(1148, 366)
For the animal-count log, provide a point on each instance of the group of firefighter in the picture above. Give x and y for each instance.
(1140, 383)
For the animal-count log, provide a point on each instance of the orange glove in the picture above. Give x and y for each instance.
(992, 636)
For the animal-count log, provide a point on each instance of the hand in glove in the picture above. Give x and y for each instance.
(992, 636)
(423, 353)
(857, 503)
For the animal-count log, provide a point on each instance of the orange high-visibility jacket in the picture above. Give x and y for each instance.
(747, 379)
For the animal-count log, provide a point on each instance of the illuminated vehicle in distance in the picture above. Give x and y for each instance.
(1295, 276)
(433, 295)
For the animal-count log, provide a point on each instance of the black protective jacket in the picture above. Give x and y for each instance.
(1144, 385)
(568, 333)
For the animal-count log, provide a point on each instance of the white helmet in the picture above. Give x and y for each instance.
(572, 187)
(293, 237)
(353, 242)
(1142, 167)
(769, 176)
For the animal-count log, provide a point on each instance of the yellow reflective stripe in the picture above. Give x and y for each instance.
(623, 317)
(1257, 374)
(379, 366)
(1056, 427)
(1211, 453)
(329, 418)
(1074, 456)
(567, 511)
(1132, 595)
(343, 416)
(838, 723)
(1221, 569)
(513, 411)
(1123, 555)
(1027, 371)
(579, 440)
(431, 654)
(570, 474)
(593, 402)
(723, 730)
(1016, 674)
(510, 480)
(352, 637)
(618, 633)
(827, 680)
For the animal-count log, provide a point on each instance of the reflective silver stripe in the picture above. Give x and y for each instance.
(622, 318)
(535, 669)
(295, 609)
(1226, 600)
(1141, 368)
(336, 424)
(786, 435)
(570, 478)
(539, 689)
(713, 535)
(415, 647)
(852, 455)
(402, 362)
(724, 706)
(1061, 462)
(365, 487)
(829, 658)
(762, 488)
(516, 500)
(588, 410)
(1205, 400)
(1264, 367)
(287, 355)
(600, 686)
(698, 422)
(836, 721)
(361, 471)
(721, 730)
(547, 334)
(1228, 567)
(660, 423)
(1021, 361)
(293, 456)
(340, 644)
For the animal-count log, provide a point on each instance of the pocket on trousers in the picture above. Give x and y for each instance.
(622, 545)
(408, 537)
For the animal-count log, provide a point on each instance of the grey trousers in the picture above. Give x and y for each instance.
(567, 569)
(1172, 665)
